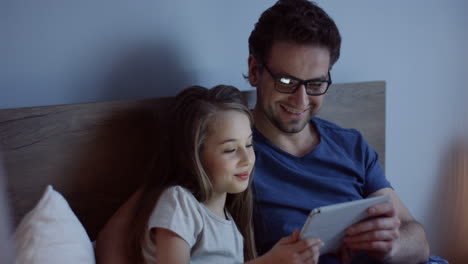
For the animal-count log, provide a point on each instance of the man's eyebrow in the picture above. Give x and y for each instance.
(321, 79)
(287, 75)
(230, 140)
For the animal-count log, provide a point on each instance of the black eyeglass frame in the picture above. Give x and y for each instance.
(300, 82)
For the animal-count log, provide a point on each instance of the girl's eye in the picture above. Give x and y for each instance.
(229, 150)
(249, 145)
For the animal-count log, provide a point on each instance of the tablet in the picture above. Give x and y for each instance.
(329, 223)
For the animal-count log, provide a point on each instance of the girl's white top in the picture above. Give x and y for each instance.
(212, 239)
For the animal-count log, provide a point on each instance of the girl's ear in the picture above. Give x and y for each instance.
(253, 71)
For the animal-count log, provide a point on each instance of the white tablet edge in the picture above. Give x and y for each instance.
(329, 212)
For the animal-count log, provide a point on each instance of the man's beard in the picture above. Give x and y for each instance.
(296, 127)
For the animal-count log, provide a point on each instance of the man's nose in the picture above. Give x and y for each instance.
(300, 97)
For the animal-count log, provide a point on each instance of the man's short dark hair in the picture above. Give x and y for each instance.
(297, 21)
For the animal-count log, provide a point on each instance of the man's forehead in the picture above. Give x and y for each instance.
(299, 60)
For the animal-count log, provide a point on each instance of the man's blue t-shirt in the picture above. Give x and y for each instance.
(341, 168)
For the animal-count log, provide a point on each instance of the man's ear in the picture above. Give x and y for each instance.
(253, 71)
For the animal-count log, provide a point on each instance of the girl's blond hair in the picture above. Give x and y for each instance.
(179, 162)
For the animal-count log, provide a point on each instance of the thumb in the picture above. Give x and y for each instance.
(293, 237)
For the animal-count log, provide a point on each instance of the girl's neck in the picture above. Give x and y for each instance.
(216, 204)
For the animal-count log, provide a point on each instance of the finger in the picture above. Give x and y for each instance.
(382, 246)
(313, 241)
(295, 234)
(382, 209)
(312, 260)
(311, 254)
(305, 244)
(293, 237)
(316, 258)
(381, 223)
(379, 235)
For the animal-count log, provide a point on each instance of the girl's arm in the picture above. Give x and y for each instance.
(291, 249)
(171, 248)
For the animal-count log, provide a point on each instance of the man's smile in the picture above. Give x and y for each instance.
(294, 110)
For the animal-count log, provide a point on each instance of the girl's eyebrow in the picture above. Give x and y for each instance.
(227, 141)
(231, 140)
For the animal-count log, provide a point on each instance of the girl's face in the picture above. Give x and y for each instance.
(228, 156)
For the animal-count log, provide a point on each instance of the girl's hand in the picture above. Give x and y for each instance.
(293, 250)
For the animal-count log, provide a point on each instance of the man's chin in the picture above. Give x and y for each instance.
(291, 128)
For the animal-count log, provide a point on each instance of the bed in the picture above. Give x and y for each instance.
(96, 154)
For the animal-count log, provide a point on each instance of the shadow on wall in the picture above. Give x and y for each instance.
(147, 69)
(451, 213)
(113, 159)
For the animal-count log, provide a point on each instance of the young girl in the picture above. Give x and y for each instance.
(198, 208)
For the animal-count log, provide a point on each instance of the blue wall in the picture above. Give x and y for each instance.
(58, 52)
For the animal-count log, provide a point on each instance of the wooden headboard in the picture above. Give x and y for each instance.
(96, 154)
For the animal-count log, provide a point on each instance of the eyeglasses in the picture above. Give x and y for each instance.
(289, 84)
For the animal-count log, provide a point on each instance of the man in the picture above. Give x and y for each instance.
(305, 162)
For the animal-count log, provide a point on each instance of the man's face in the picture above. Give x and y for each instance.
(289, 113)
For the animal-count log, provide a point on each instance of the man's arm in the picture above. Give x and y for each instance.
(391, 234)
(110, 243)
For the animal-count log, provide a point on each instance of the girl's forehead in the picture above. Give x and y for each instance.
(228, 122)
(224, 117)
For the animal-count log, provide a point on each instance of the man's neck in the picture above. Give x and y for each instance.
(297, 144)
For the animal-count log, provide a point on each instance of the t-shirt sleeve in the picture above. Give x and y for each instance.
(374, 174)
(177, 210)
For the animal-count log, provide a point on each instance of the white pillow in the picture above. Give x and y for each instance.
(51, 233)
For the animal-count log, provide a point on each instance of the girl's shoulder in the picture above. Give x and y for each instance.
(176, 210)
(176, 201)
(179, 194)
(178, 189)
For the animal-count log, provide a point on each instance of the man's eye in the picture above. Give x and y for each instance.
(315, 85)
(285, 81)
